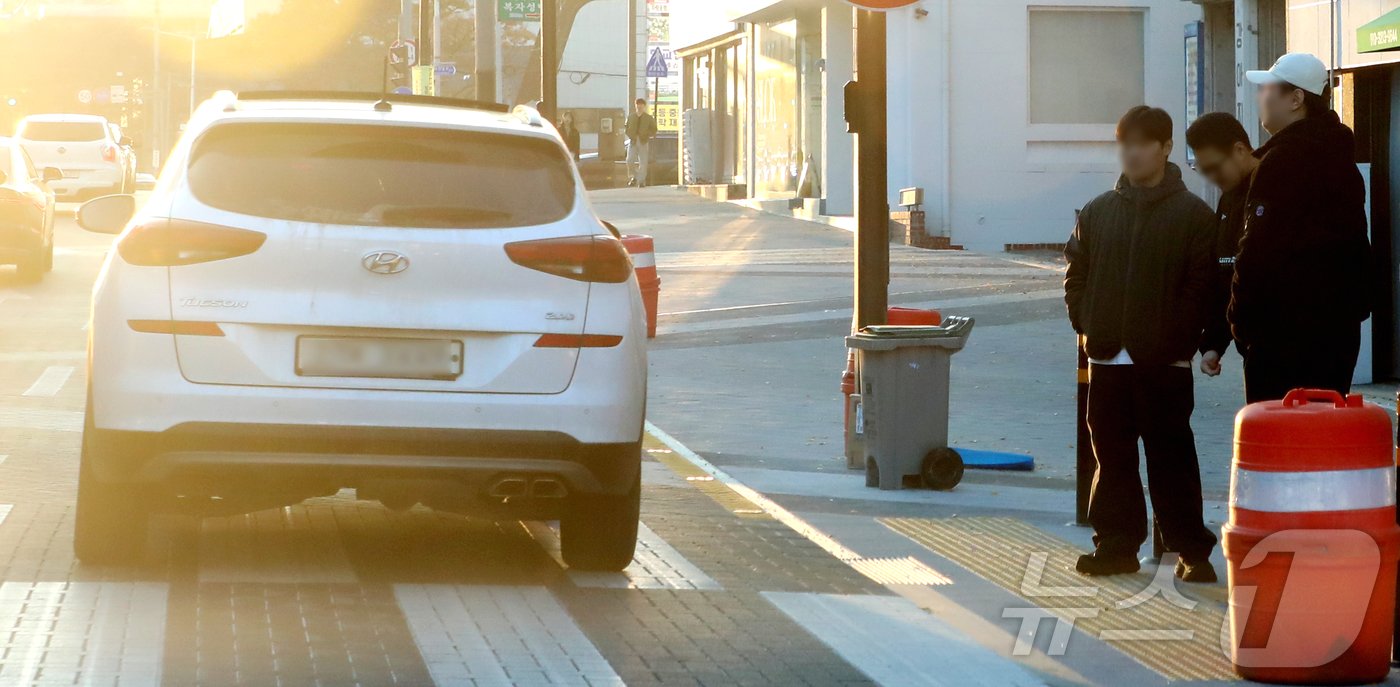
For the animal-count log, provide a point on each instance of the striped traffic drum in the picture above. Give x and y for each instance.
(643, 251)
(1312, 540)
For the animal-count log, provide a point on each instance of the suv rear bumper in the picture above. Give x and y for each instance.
(227, 459)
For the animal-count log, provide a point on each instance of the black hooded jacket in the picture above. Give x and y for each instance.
(1141, 264)
(1304, 261)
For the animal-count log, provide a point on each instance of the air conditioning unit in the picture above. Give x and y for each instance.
(697, 134)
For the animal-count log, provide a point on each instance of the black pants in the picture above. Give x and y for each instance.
(1323, 358)
(1154, 404)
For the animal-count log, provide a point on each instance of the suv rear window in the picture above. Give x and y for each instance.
(381, 175)
(68, 132)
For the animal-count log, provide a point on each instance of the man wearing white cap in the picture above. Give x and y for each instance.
(1302, 276)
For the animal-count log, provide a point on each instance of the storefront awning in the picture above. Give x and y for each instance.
(778, 10)
(1380, 34)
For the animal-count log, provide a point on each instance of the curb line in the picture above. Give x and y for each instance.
(883, 571)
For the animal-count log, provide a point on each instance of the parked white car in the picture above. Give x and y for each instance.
(127, 151)
(82, 146)
(409, 297)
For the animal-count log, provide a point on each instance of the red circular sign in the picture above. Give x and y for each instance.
(882, 5)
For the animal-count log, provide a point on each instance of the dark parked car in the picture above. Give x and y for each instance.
(26, 212)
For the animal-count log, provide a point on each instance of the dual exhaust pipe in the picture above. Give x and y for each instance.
(507, 488)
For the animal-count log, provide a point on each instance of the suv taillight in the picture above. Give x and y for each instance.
(172, 242)
(581, 258)
(109, 152)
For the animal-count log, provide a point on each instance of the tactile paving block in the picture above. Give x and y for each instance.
(1144, 615)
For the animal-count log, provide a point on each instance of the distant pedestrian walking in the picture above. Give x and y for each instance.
(1224, 157)
(640, 129)
(569, 132)
(1302, 278)
(1138, 287)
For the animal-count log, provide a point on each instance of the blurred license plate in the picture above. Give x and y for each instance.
(386, 358)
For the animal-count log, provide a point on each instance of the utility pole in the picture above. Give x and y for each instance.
(407, 20)
(866, 118)
(486, 50)
(154, 97)
(549, 58)
(427, 18)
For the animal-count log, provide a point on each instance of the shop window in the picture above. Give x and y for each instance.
(1086, 65)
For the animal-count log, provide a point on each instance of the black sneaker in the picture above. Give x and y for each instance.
(1199, 572)
(1102, 563)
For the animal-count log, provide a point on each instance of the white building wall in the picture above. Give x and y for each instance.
(593, 73)
(1005, 180)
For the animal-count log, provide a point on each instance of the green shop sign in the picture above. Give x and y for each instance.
(518, 10)
(1380, 34)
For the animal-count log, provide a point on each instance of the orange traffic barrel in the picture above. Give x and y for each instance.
(643, 251)
(1312, 540)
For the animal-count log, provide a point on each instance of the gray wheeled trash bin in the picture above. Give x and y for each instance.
(904, 401)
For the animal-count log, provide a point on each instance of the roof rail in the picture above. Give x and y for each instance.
(354, 96)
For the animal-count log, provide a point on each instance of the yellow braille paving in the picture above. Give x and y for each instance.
(701, 480)
(1172, 633)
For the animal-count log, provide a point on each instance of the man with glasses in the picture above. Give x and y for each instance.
(1225, 158)
(1302, 276)
(1137, 288)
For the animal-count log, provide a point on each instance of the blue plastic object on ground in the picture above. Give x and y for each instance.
(995, 460)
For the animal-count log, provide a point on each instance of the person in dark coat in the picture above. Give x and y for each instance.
(569, 132)
(640, 129)
(1141, 266)
(1225, 157)
(1302, 278)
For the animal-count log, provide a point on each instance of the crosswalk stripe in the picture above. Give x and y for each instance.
(41, 356)
(499, 635)
(51, 381)
(82, 633)
(41, 419)
(844, 314)
(895, 642)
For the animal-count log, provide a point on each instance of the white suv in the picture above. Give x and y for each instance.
(409, 296)
(82, 146)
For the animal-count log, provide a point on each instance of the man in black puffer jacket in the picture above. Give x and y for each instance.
(1141, 267)
(1302, 278)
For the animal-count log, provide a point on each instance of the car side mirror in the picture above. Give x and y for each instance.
(108, 214)
(52, 174)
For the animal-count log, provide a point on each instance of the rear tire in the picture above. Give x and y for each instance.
(111, 522)
(600, 532)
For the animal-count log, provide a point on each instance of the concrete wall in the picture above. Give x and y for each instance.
(594, 69)
(961, 86)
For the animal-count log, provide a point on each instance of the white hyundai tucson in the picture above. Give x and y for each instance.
(406, 296)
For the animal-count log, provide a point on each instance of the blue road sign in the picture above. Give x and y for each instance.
(403, 90)
(445, 68)
(656, 65)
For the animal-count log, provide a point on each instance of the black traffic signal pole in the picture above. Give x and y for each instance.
(427, 10)
(486, 51)
(866, 117)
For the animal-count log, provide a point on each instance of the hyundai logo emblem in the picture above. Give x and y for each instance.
(385, 262)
